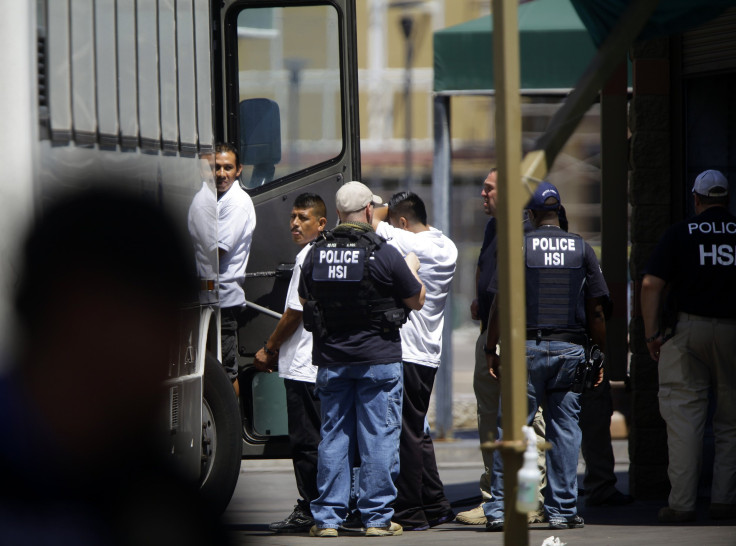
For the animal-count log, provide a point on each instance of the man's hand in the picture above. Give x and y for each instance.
(264, 362)
(474, 310)
(654, 347)
(599, 380)
(494, 366)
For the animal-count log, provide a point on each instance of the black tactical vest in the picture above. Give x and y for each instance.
(343, 293)
(555, 280)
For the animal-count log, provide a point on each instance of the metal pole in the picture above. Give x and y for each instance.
(441, 188)
(512, 296)
(407, 24)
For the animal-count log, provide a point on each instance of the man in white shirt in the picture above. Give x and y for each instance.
(421, 501)
(236, 220)
(291, 344)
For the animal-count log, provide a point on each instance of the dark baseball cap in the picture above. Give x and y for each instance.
(544, 191)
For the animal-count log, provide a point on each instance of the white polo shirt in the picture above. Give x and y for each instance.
(236, 220)
(421, 335)
(295, 354)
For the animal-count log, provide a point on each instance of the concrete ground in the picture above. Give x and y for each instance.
(266, 492)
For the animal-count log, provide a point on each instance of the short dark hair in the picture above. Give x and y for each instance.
(311, 201)
(713, 199)
(225, 147)
(409, 205)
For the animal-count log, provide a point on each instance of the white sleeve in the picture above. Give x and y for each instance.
(292, 295)
(402, 240)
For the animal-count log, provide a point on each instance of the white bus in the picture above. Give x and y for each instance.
(144, 88)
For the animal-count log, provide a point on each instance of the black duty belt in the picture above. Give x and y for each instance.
(541, 334)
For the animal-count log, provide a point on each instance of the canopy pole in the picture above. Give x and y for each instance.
(441, 199)
(512, 297)
(537, 162)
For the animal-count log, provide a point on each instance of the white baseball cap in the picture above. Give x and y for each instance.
(711, 183)
(354, 196)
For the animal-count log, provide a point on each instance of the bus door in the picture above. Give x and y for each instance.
(288, 101)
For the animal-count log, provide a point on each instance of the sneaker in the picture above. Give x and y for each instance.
(410, 527)
(299, 521)
(391, 530)
(668, 515)
(315, 531)
(722, 511)
(353, 523)
(575, 522)
(444, 518)
(494, 525)
(476, 516)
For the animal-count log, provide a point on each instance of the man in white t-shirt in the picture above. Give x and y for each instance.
(292, 344)
(236, 220)
(421, 501)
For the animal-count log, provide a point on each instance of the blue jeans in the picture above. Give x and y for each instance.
(360, 404)
(551, 367)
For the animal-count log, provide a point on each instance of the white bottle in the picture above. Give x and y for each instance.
(528, 477)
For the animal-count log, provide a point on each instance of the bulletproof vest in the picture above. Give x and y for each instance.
(346, 296)
(555, 280)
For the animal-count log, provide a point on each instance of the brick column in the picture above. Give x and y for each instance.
(650, 190)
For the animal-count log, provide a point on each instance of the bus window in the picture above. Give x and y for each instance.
(289, 112)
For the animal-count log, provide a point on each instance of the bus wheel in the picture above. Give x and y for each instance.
(221, 441)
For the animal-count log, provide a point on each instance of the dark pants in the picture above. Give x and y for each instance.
(596, 408)
(304, 423)
(229, 340)
(421, 497)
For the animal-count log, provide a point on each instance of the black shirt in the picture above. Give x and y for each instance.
(387, 268)
(698, 256)
(486, 268)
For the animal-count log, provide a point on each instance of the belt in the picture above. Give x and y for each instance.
(699, 318)
(541, 334)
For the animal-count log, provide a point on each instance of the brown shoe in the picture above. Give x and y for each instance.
(668, 515)
(322, 532)
(391, 530)
(536, 517)
(476, 516)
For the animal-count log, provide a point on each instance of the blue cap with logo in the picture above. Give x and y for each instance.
(544, 191)
(711, 183)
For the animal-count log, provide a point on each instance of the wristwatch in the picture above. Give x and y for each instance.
(650, 339)
(268, 351)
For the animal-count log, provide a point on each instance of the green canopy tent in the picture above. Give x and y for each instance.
(555, 49)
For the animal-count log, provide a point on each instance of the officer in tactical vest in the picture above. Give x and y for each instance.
(356, 291)
(565, 300)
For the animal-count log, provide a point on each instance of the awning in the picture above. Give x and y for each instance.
(670, 17)
(555, 49)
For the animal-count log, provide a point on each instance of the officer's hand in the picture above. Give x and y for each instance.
(412, 261)
(474, 310)
(263, 362)
(600, 378)
(494, 366)
(654, 348)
